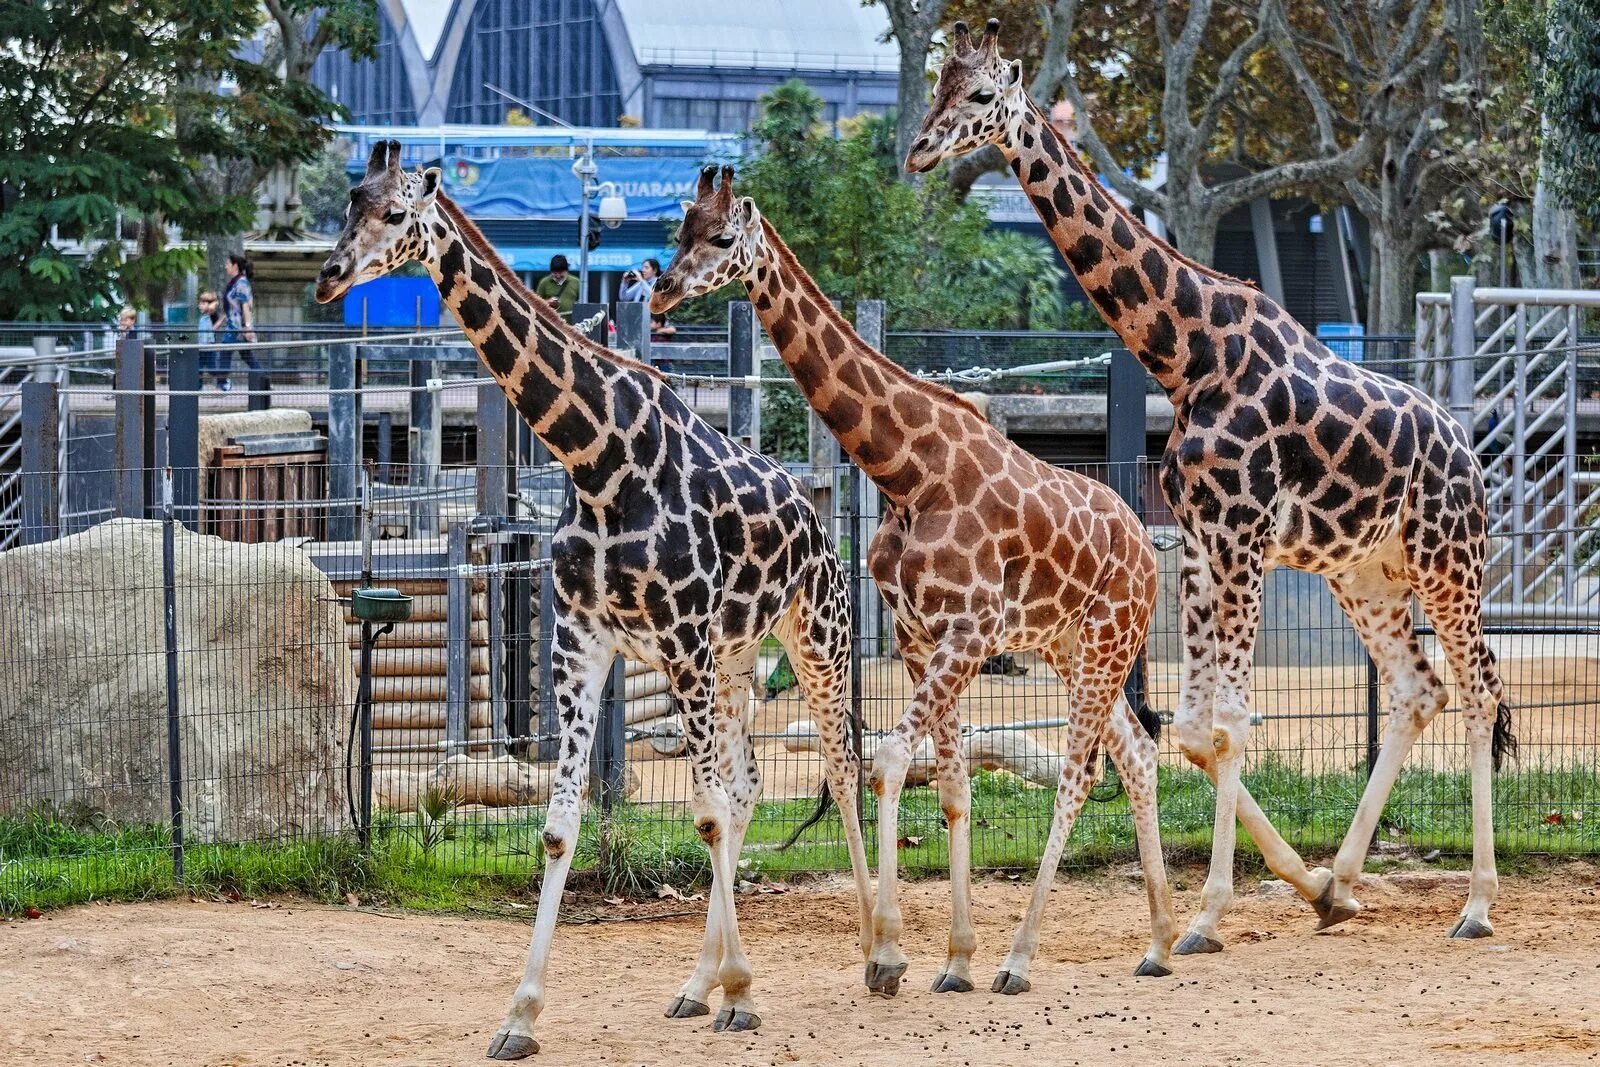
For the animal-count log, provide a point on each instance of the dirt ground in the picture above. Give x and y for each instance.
(230, 984)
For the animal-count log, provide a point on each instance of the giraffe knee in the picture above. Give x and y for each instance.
(1194, 741)
(890, 763)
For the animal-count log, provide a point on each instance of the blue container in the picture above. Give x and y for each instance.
(1344, 339)
(393, 301)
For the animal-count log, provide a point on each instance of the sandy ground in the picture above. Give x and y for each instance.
(230, 984)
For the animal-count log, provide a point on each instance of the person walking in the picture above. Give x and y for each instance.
(638, 285)
(205, 333)
(238, 315)
(127, 323)
(558, 288)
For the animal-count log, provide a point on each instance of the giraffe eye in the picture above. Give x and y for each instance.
(395, 217)
(982, 96)
(723, 241)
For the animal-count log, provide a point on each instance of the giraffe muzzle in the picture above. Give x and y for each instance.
(330, 281)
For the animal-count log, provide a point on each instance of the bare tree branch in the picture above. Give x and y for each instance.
(1228, 73)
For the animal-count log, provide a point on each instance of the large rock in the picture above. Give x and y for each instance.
(265, 683)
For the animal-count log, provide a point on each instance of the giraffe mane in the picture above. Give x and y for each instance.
(480, 244)
(807, 285)
(1070, 151)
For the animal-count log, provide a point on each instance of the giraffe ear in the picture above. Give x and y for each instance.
(430, 182)
(747, 211)
(686, 205)
(1013, 73)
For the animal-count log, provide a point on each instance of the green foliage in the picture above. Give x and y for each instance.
(114, 110)
(864, 234)
(325, 190)
(1571, 98)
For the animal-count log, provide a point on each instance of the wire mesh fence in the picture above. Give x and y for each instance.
(182, 689)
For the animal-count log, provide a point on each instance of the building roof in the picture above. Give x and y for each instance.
(738, 34)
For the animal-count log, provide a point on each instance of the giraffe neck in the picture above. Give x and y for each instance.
(1153, 297)
(575, 397)
(895, 426)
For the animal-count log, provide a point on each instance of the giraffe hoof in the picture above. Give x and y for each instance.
(1196, 944)
(884, 978)
(1149, 968)
(687, 1008)
(1333, 912)
(951, 983)
(1010, 984)
(732, 1021)
(1468, 929)
(504, 1046)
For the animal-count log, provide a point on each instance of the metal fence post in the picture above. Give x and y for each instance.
(744, 403)
(875, 624)
(258, 380)
(633, 328)
(1125, 452)
(1463, 345)
(169, 591)
(425, 450)
(344, 441)
(385, 444)
(494, 480)
(135, 427)
(1372, 714)
(587, 311)
(458, 628)
(41, 462)
(549, 723)
(608, 757)
(183, 433)
(855, 481)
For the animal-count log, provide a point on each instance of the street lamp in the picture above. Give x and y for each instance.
(613, 209)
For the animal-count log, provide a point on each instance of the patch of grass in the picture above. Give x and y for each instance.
(451, 860)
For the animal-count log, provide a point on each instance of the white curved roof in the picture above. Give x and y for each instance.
(815, 34)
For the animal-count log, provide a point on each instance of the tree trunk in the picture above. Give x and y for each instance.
(1392, 304)
(1194, 231)
(911, 98)
(1555, 239)
(218, 248)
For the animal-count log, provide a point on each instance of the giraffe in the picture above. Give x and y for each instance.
(678, 548)
(1280, 454)
(984, 549)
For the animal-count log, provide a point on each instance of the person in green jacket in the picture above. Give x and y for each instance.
(559, 287)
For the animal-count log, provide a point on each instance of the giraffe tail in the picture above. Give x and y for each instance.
(1503, 743)
(1148, 717)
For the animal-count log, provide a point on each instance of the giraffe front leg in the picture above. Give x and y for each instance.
(579, 663)
(737, 768)
(955, 798)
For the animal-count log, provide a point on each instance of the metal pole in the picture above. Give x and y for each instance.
(344, 440)
(41, 462)
(1463, 345)
(549, 724)
(169, 597)
(1519, 460)
(132, 411)
(586, 172)
(743, 403)
(458, 630)
(1570, 460)
(1372, 714)
(854, 482)
(425, 450)
(183, 434)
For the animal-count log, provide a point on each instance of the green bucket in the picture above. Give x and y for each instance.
(380, 605)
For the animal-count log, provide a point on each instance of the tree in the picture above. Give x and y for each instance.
(912, 24)
(325, 189)
(91, 148)
(276, 117)
(1569, 170)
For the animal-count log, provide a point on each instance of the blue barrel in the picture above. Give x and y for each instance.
(1344, 339)
(393, 300)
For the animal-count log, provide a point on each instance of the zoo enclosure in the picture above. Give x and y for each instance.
(464, 678)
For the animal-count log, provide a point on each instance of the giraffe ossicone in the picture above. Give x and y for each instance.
(678, 547)
(984, 549)
(1281, 454)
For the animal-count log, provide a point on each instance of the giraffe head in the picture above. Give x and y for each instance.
(385, 225)
(973, 101)
(716, 243)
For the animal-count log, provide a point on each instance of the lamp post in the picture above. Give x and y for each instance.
(613, 209)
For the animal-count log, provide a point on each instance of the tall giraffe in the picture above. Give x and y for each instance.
(1281, 454)
(984, 549)
(678, 548)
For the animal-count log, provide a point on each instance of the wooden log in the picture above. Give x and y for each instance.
(423, 662)
(501, 781)
(639, 686)
(409, 687)
(646, 709)
(389, 738)
(422, 715)
(419, 635)
(1000, 750)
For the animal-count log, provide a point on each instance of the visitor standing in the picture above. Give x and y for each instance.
(559, 288)
(638, 285)
(238, 314)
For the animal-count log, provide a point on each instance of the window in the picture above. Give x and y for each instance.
(551, 53)
(376, 92)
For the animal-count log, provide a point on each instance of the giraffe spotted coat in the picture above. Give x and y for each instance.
(678, 547)
(1280, 454)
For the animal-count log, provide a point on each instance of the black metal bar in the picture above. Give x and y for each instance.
(608, 757)
(364, 720)
(183, 434)
(633, 328)
(169, 596)
(41, 462)
(587, 311)
(1125, 452)
(549, 727)
(344, 440)
(854, 481)
(519, 645)
(493, 463)
(134, 445)
(458, 681)
(258, 380)
(742, 402)
(1372, 715)
(385, 442)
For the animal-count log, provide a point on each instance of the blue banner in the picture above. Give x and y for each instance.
(545, 187)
